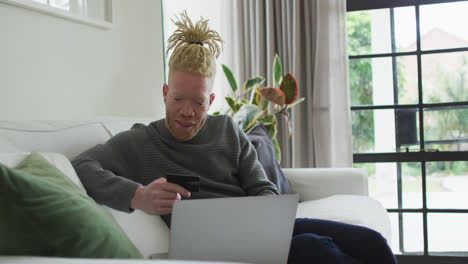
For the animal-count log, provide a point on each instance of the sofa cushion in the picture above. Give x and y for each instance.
(351, 209)
(259, 137)
(149, 233)
(49, 215)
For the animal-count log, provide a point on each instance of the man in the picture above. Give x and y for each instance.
(128, 172)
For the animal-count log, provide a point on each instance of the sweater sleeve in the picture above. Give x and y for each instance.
(107, 174)
(252, 176)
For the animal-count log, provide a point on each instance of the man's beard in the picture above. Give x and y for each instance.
(170, 124)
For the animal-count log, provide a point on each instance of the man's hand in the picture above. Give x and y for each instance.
(158, 197)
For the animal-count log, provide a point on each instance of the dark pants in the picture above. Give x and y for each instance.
(320, 241)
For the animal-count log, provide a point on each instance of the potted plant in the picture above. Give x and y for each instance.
(249, 105)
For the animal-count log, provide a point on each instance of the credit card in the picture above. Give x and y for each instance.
(189, 182)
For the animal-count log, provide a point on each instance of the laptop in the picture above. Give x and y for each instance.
(256, 229)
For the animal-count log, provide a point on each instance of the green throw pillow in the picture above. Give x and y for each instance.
(43, 213)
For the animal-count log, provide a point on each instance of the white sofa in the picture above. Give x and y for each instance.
(333, 194)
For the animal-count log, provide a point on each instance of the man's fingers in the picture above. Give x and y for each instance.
(161, 180)
(172, 187)
(158, 197)
(165, 195)
(164, 206)
(163, 184)
(166, 203)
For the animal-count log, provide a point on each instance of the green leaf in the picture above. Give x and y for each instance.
(272, 129)
(299, 100)
(265, 104)
(238, 106)
(252, 82)
(216, 113)
(277, 150)
(245, 101)
(274, 95)
(230, 77)
(277, 71)
(232, 103)
(255, 96)
(247, 116)
(268, 119)
(289, 88)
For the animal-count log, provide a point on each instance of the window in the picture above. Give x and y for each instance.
(408, 66)
(96, 13)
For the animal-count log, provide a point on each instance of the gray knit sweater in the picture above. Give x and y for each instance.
(221, 154)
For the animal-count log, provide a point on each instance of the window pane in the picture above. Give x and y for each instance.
(96, 9)
(445, 77)
(411, 185)
(374, 130)
(383, 183)
(407, 129)
(61, 4)
(360, 81)
(407, 78)
(443, 26)
(368, 32)
(395, 225)
(358, 27)
(405, 28)
(447, 184)
(446, 130)
(363, 131)
(380, 31)
(413, 233)
(371, 81)
(447, 232)
(413, 238)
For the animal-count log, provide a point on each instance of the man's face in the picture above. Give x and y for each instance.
(188, 98)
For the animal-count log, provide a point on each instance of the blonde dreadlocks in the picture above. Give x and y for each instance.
(190, 53)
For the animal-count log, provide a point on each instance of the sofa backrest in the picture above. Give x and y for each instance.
(67, 137)
(149, 233)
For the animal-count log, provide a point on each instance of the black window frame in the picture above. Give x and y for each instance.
(423, 155)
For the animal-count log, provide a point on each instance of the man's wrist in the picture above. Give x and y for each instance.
(137, 197)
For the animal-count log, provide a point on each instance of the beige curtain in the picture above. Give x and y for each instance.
(310, 38)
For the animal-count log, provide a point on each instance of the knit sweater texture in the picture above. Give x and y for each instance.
(220, 154)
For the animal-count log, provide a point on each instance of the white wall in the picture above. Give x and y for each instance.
(52, 68)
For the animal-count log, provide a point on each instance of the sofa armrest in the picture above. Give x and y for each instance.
(317, 183)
